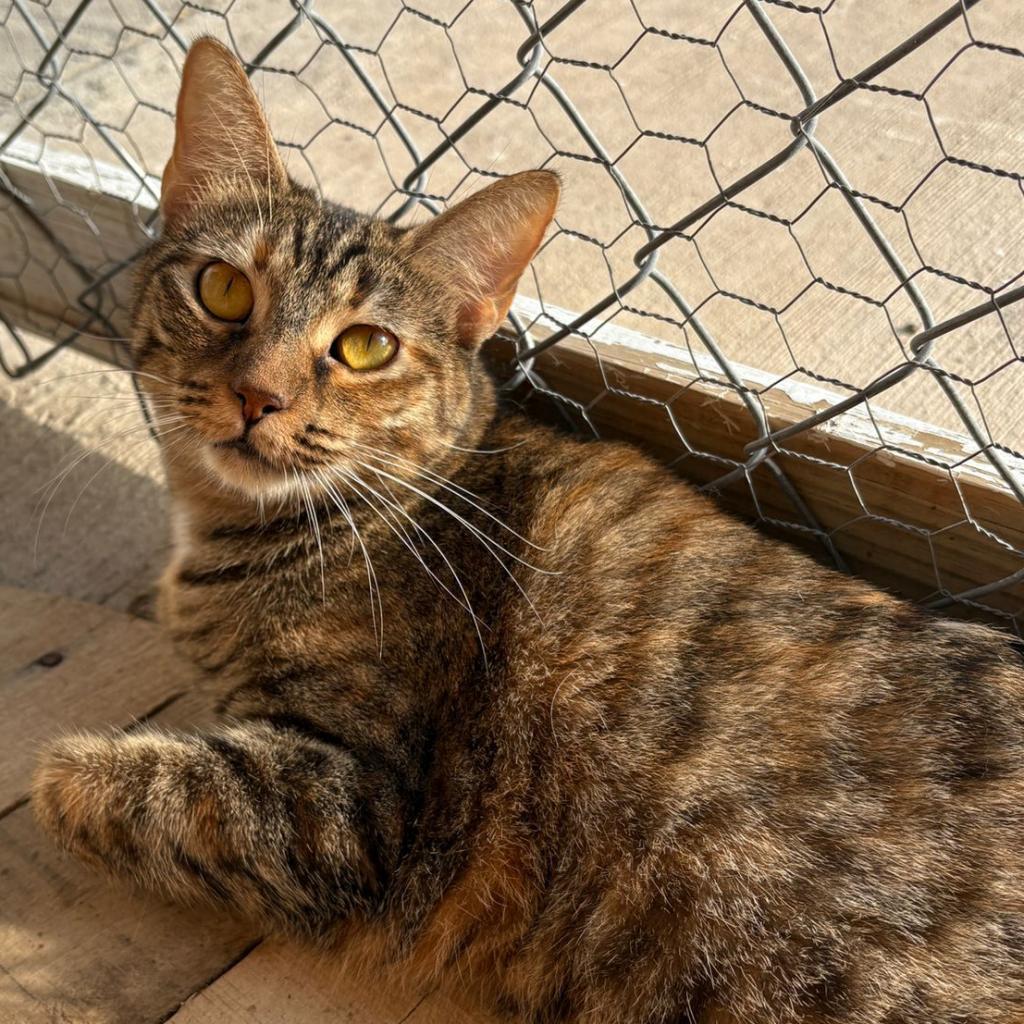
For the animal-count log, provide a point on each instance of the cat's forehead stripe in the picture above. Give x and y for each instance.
(298, 241)
(321, 243)
(349, 253)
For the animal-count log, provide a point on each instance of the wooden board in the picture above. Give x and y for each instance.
(69, 665)
(278, 984)
(77, 949)
(881, 505)
(74, 947)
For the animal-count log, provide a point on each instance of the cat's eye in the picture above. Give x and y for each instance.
(225, 292)
(364, 347)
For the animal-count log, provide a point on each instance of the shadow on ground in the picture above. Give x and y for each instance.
(103, 535)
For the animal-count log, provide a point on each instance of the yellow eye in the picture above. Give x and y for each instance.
(225, 292)
(364, 347)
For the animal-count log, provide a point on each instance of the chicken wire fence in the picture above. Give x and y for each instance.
(765, 202)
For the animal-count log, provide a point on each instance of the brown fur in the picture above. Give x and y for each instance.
(668, 770)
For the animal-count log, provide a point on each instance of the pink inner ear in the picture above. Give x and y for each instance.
(482, 246)
(221, 134)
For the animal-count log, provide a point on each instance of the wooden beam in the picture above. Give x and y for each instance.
(883, 485)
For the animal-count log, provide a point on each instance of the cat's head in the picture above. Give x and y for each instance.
(278, 334)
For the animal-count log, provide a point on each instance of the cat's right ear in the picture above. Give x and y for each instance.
(221, 135)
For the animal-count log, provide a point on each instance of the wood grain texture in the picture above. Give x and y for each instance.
(279, 984)
(901, 521)
(276, 982)
(67, 665)
(74, 947)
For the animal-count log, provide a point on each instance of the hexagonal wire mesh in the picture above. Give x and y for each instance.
(767, 201)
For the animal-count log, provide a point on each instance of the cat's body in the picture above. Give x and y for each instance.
(673, 772)
(710, 774)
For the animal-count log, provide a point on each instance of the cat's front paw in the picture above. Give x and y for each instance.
(80, 796)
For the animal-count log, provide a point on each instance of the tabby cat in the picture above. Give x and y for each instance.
(508, 707)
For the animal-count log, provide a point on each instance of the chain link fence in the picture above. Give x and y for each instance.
(788, 254)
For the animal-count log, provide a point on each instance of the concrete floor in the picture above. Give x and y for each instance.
(99, 534)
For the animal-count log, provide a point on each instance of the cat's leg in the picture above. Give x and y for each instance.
(268, 821)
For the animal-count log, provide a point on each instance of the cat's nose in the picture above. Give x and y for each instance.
(257, 403)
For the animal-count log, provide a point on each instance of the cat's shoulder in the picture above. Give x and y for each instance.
(596, 475)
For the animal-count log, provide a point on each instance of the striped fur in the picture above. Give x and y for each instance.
(587, 743)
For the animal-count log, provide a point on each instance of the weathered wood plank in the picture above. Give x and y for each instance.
(284, 984)
(895, 488)
(63, 665)
(74, 947)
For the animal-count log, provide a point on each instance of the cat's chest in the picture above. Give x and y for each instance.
(264, 603)
(235, 601)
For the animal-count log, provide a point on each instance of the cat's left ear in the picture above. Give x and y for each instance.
(221, 137)
(481, 247)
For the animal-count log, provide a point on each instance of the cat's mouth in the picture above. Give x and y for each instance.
(245, 449)
(241, 464)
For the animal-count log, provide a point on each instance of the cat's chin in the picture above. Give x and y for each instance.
(240, 469)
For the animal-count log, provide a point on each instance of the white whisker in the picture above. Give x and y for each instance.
(62, 473)
(376, 611)
(109, 462)
(464, 602)
(449, 485)
(489, 543)
(110, 370)
(55, 483)
(475, 530)
(315, 525)
(483, 451)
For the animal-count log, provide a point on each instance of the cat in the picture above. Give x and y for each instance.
(508, 707)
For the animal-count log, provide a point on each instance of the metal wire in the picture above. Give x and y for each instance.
(580, 82)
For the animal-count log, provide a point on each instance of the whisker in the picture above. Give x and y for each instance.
(376, 612)
(347, 513)
(82, 333)
(61, 473)
(461, 519)
(488, 542)
(108, 370)
(109, 462)
(129, 408)
(401, 460)
(315, 525)
(450, 486)
(55, 483)
(116, 397)
(483, 451)
(361, 485)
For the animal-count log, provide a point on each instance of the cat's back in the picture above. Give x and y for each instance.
(713, 746)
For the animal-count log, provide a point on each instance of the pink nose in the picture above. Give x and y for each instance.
(257, 403)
